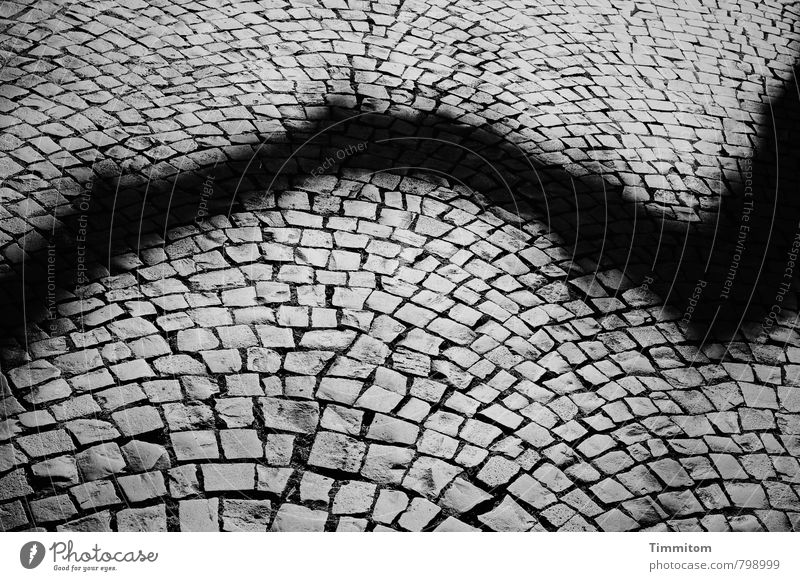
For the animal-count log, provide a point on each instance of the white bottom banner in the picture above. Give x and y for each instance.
(199, 556)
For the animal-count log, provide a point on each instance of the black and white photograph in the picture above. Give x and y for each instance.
(511, 266)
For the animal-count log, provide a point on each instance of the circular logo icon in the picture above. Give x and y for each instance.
(31, 554)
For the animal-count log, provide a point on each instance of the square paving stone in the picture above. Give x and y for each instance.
(99, 522)
(142, 487)
(509, 516)
(100, 461)
(52, 508)
(354, 498)
(498, 471)
(307, 362)
(390, 503)
(96, 494)
(48, 392)
(46, 443)
(183, 481)
(196, 445)
(91, 431)
(342, 419)
(162, 390)
(33, 373)
(241, 444)
(429, 476)
(289, 415)
(138, 420)
(296, 518)
(279, 449)
(200, 515)
(386, 464)
(235, 412)
(221, 477)
(117, 397)
(222, 360)
(245, 515)
(392, 430)
(146, 519)
(337, 452)
(462, 496)
(271, 336)
(418, 515)
(274, 480)
(244, 384)
(14, 485)
(60, 472)
(12, 515)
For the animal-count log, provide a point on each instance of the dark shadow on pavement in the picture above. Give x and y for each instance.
(122, 215)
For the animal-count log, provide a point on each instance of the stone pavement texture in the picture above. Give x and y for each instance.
(382, 338)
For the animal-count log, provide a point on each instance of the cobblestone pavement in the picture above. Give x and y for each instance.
(435, 317)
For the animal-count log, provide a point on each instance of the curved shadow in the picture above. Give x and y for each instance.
(119, 217)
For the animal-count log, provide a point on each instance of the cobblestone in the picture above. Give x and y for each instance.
(362, 349)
